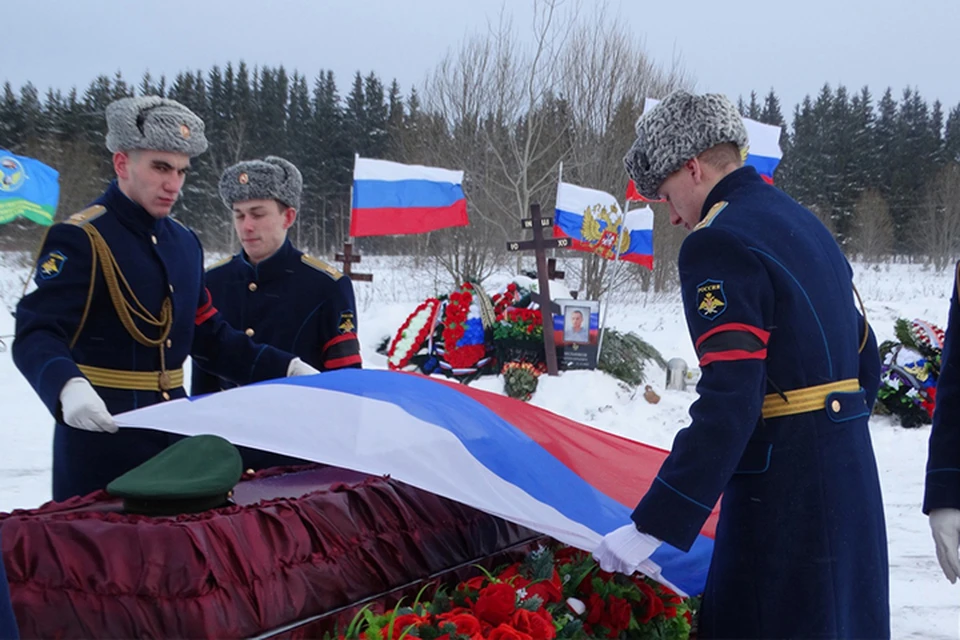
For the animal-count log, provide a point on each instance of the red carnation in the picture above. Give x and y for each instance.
(549, 590)
(539, 625)
(475, 583)
(594, 609)
(503, 632)
(566, 555)
(401, 623)
(585, 588)
(652, 605)
(496, 603)
(466, 623)
(617, 617)
(512, 576)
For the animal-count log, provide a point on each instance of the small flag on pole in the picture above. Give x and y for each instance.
(28, 189)
(390, 198)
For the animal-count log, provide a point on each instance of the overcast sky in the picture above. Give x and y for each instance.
(793, 47)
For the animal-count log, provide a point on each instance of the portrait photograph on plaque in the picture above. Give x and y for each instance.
(576, 333)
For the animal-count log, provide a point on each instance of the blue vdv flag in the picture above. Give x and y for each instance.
(28, 189)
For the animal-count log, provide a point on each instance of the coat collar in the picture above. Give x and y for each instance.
(130, 214)
(277, 265)
(742, 177)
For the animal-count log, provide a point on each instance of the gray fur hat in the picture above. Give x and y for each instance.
(272, 178)
(679, 128)
(154, 123)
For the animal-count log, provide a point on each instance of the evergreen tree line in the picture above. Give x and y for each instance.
(876, 173)
(883, 175)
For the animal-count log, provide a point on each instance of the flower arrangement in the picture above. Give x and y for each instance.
(520, 379)
(464, 339)
(519, 324)
(470, 334)
(505, 299)
(556, 592)
(909, 372)
(413, 333)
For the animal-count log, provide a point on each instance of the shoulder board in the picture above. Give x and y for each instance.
(219, 263)
(713, 213)
(320, 265)
(83, 217)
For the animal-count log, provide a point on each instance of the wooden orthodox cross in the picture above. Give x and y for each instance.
(539, 244)
(348, 258)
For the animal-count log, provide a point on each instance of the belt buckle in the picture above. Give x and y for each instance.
(164, 381)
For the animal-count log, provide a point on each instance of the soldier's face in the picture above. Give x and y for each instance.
(261, 226)
(152, 179)
(685, 192)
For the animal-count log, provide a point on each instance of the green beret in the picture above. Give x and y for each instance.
(193, 475)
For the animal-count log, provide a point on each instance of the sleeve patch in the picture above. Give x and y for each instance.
(346, 324)
(51, 265)
(711, 299)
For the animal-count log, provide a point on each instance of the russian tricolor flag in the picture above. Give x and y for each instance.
(592, 219)
(763, 152)
(502, 456)
(390, 198)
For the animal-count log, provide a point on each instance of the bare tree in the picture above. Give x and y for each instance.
(606, 77)
(494, 112)
(936, 231)
(509, 115)
(872, 230)
(214, 221)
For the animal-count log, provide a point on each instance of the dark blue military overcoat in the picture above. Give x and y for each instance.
(58, 332)
(801, 548)
(291, 301)
(942, 487)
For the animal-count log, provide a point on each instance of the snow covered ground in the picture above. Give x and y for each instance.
(923, 603)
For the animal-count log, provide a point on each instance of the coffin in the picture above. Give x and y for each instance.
(299, 548)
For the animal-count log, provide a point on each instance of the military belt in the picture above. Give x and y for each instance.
(133, 380)
(805, 400)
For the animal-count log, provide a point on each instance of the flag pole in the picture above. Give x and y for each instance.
(613, 279)
(356, 158)
(553, 252)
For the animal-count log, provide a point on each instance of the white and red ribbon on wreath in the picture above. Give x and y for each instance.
(927, 333)
(413, 333)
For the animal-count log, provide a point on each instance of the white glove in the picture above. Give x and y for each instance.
(298, 367)
(83, 408)
(945, 525)
(623, 550)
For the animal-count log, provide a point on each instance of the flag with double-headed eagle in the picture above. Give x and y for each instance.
(595, 222)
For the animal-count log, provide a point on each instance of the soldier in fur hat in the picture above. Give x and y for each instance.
(790, 374)
(273, 291)
(121, 302)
